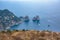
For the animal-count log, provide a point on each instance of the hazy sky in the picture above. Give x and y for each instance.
(27, 6)
(31, 0)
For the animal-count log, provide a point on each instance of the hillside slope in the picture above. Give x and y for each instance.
(30, 35)
(7, 18)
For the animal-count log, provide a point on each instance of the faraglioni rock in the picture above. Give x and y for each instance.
(7, 19)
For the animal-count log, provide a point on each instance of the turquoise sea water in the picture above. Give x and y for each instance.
(49, 14)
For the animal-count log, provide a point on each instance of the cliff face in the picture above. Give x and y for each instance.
(7, 18)
(30, 35)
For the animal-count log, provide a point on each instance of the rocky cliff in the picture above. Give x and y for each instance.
(7, 18)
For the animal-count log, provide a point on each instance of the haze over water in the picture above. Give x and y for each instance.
(49, 12)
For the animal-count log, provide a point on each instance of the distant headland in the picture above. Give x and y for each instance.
(8, 19)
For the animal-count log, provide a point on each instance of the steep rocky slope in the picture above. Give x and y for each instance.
(7, 18)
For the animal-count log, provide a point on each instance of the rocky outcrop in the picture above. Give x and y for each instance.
(7, 18)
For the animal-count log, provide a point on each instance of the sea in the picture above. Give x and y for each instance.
(49, 13)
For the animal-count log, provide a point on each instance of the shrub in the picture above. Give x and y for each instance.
(3, 31)
(9, 31)
(23, 30)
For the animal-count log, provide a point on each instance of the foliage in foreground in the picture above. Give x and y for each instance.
(29, 35)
